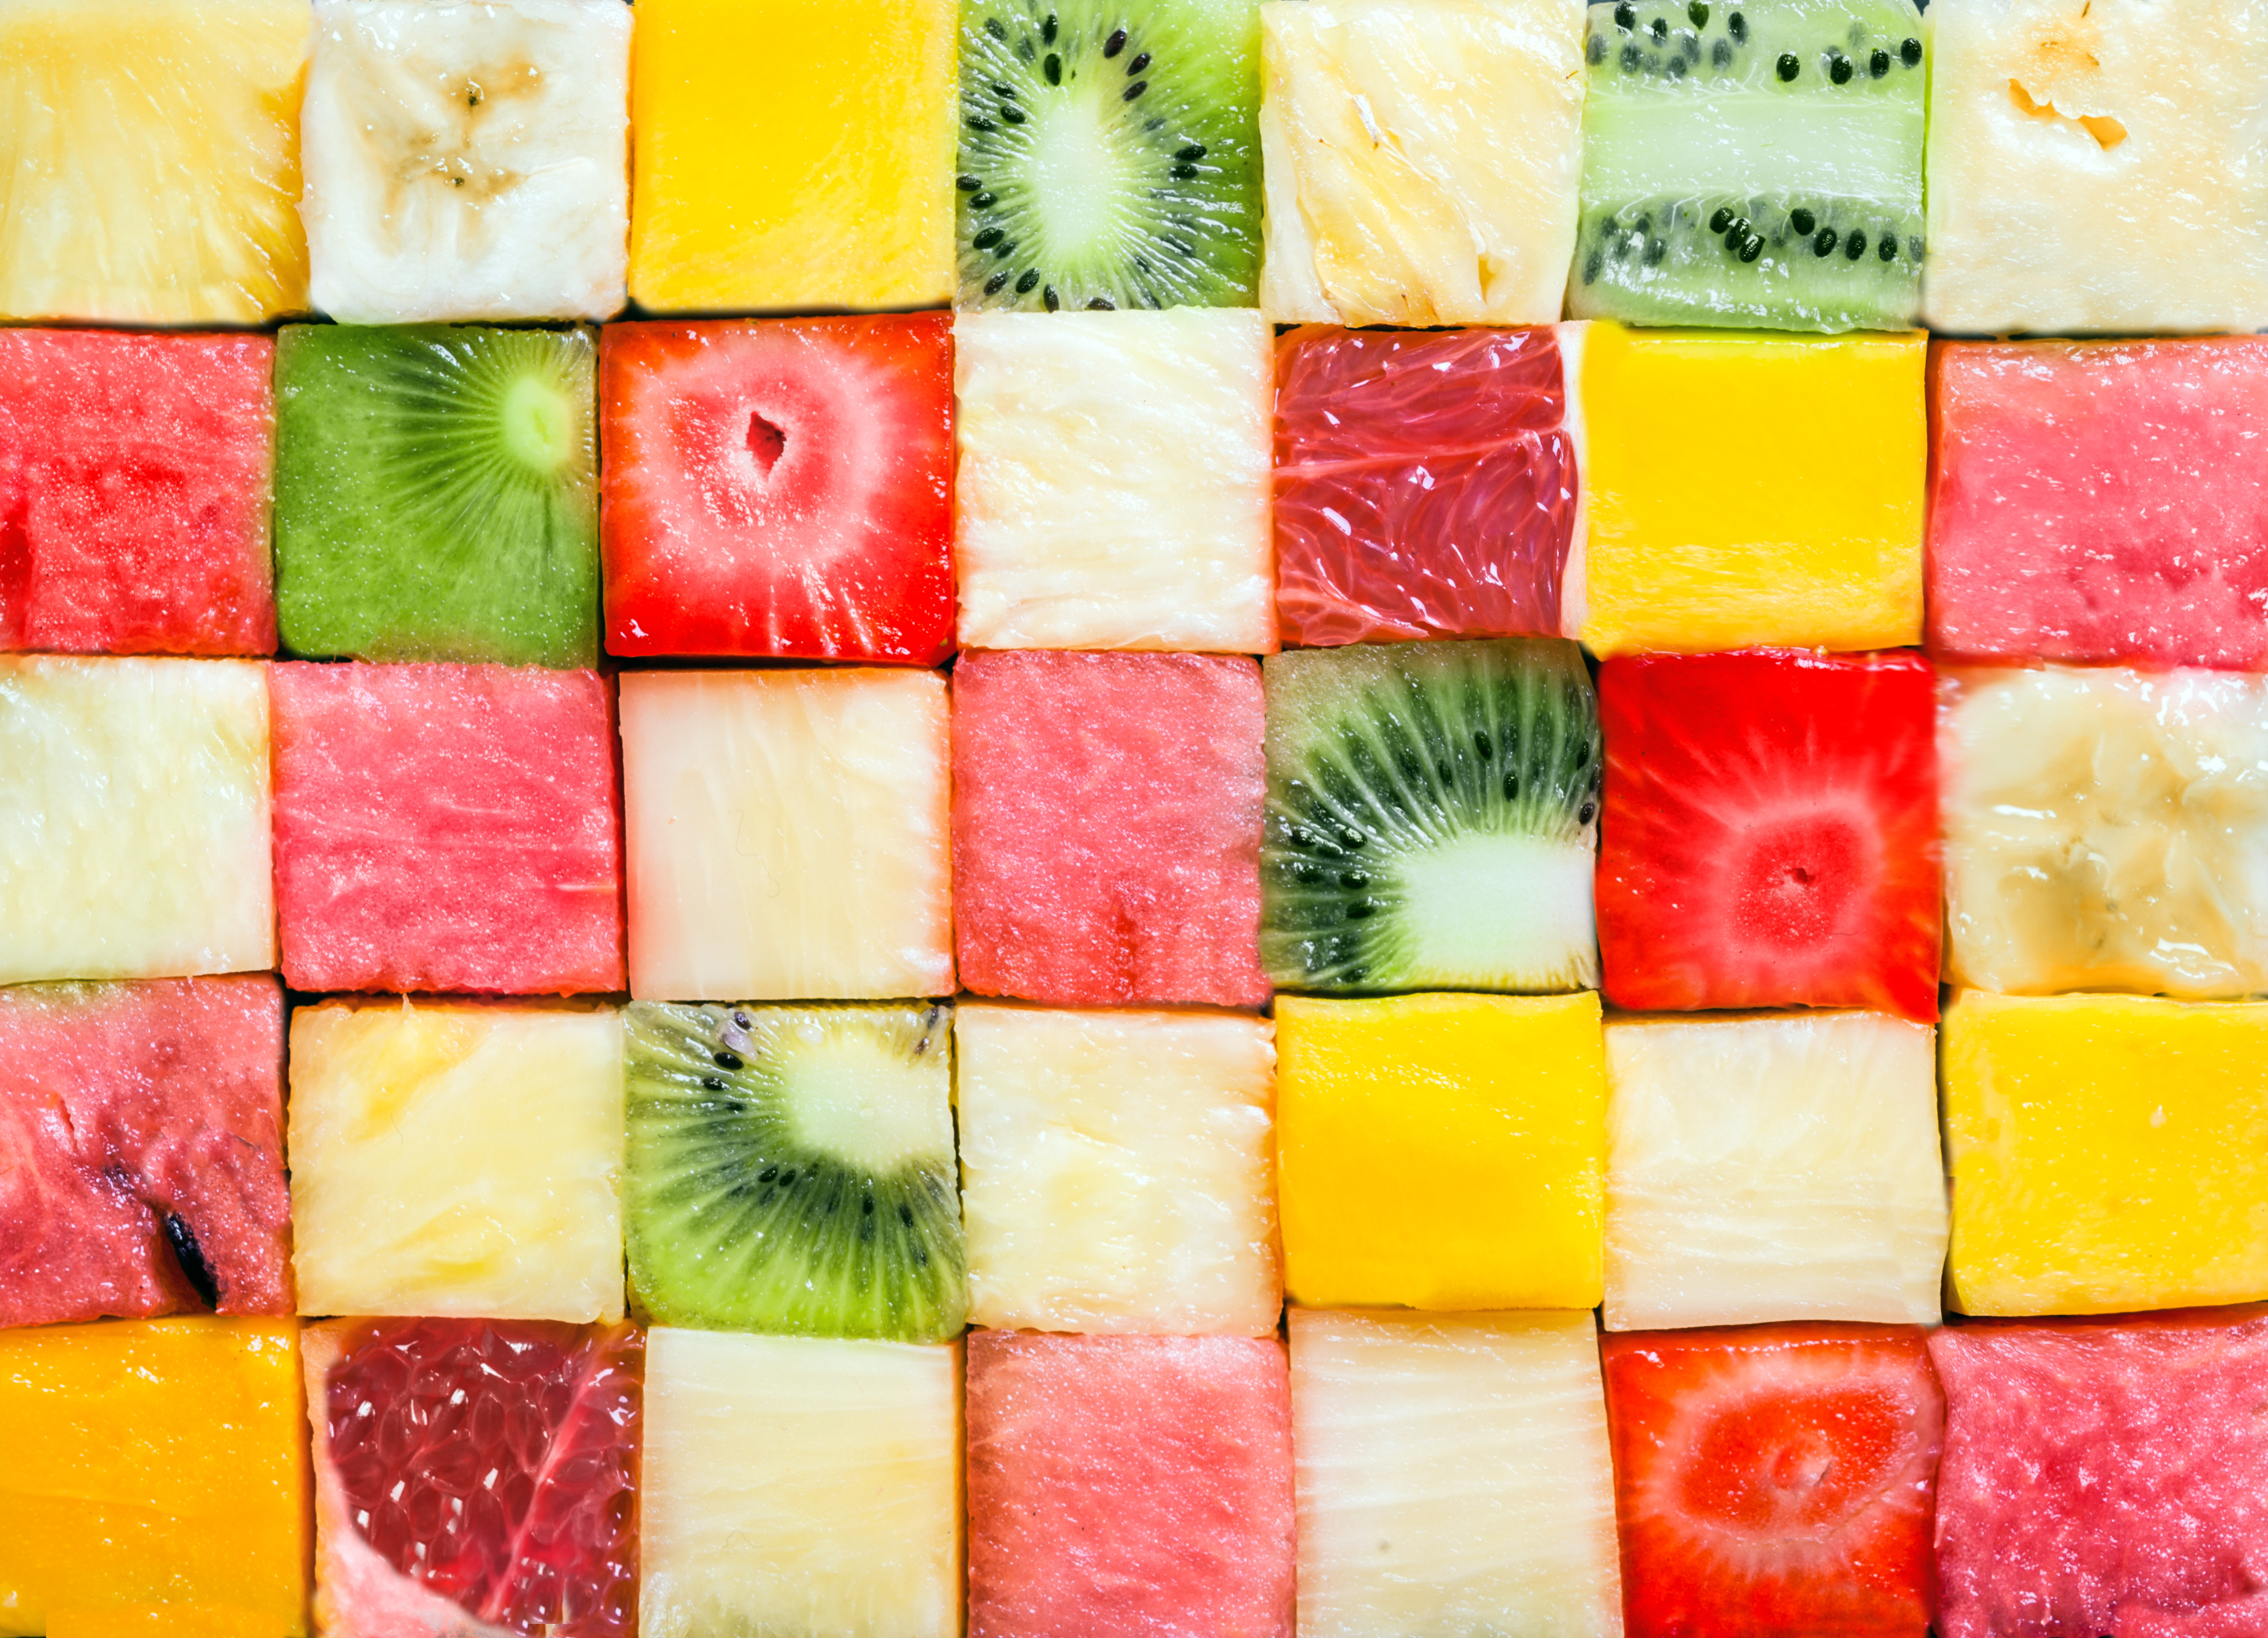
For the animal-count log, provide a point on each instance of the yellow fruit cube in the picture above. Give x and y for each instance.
(1441, 1151)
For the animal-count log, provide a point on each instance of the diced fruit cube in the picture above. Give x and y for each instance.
(436, 494)
(789, 157)
(155, 1480)
(788, 834)
(1440, 1151)
(1118, 1172)
(797, 1485)
(459, 1158)
(1106, 827)
(1137, 1486)
(1770, 837)
(1422, 158)
(1113, 486)
(1697, 543)
(2107, 1152)
(779, 487)
(133, 819)
(1454, 1475)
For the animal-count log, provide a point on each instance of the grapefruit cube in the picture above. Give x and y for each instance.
(1106, 827)
(503, 872)
(1137, 1486)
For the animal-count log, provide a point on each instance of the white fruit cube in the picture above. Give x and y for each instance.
(1772, 1168)
(788, 835)
(1119, 1171)
(1113, 486)
(134, 829)
(468, 159)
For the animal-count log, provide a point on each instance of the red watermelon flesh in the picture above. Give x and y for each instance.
(2105, 1476)
(2101, 501)
(446, 827)
(1139, 1487)
(1106, 827)
(779, 487)
(140, 1150)
(1424, 484)
(133, 479)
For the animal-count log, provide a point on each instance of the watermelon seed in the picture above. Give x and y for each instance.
(729, 1060)
(1116, 44)
(191, 1257)
(767, 443)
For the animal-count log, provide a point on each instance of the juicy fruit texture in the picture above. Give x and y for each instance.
(1454, 1475)
(1421, 159)
(2092, 502)
(1113, 486)
(436, 494)
(467, 161)
(1431, 818)
(1757, 165)
(2103, 1477)
(133, 819)
(2097, 169)
(2106, 830)
(155, 1480)
(503, 873)
(2106, 1153)
(134, 476)
(793, 1485)
(459, 1158)
(791, 1168)
(1139, 1485)
(788, 834)
(1696, 543)
(1776, 1168)
(785, 160)
(1147, 887)
(1109, 159)
(1425, 485)
(474, 1477)
(1770, 837)
(152, 149)
(1440, 1151)
(780, 488)
(1119, 1171)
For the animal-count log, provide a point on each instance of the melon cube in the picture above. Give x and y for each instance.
(1106, 827)
(788, 834)
(1117, 1173)
(1113, 484)
(1135, 1486)
(133, 819)
(503, 872)
(1453, 1475)
(459, 1158)
(1441, 1151)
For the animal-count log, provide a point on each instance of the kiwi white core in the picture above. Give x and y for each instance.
(851, 1097)
(538, 424)
(1076, 170)
(1495, 909)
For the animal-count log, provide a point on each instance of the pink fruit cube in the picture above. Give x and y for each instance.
(451, 828)
(1106, 827)
(1133, 1485)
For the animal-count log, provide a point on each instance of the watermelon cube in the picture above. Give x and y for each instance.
(1106, 827)
(1135, 1486)
(502, 872)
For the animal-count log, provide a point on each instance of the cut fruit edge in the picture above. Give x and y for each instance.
(1574, 580)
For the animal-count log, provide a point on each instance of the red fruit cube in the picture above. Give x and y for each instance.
(449, 828)
(1769, 831)
(779, 487)
(1774, 1481)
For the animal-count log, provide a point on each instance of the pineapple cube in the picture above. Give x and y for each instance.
(800, 1485)
(462, 1158)
(1117, 1173)
(1454, 1475)
(1114, 479)
(1422, 160)
(788, 835)
(1783, 1167)
(1441, 1151)
(133, 819)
